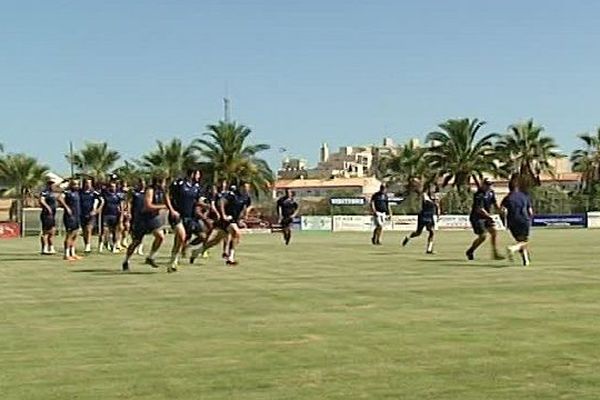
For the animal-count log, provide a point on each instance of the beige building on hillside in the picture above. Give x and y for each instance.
(320, 188)
(347, 162)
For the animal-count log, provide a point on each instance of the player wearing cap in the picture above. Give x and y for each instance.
(47, 218)
(426, 220)
(381, 210)
(481, 220)
(518, 211)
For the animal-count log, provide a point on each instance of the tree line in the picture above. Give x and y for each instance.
(458, 153)
(223, 152)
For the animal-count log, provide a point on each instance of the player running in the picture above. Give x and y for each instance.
(71, 204)
(136, 207)
(381, 210)
(184, 196)
(481, 219)
(111, 214)
(48, 218)
(518, 212)
(287, 209)
(217, 231)
(147, 220)
(430, 209)
(234, 209)
(91, 203)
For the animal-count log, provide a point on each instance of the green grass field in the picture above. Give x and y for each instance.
(330, 317)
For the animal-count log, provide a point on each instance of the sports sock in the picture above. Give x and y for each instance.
(430, 246)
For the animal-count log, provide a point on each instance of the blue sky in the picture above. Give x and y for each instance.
(298, 73)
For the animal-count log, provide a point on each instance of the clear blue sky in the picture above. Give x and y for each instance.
(298, 72)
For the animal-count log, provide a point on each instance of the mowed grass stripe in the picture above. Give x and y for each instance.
(328, 317)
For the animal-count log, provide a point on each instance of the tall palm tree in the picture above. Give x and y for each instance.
(129, 171)
(171, 158)
(406, 167)
(587, 161)
(224, 146)
(21, 174)
(458, 155)
(95, 160)
(526, 151)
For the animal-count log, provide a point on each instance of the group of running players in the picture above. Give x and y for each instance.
(516, 209)
(199, 218)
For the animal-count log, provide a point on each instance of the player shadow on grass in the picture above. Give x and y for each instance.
(453, 262)
(98, 271)
(17, 259)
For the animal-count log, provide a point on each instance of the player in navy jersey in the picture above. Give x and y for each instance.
(481, 219)
(91, 203)
(216, 233)
(518, 213)
(426, 220)
(287, 209)
(147, 220)
(71, 203)
(381, 210)
(111, 214)
(47, 218)
(184, 196)
(136, 206)
(234, 208)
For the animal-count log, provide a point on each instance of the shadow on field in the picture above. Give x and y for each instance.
(453, 262)
(111, 272)
(19, 259)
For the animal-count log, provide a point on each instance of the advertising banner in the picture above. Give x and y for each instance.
(9, 230)
(352, 223)
(406, 223)
(593, 220)
(462, 222)
(315, 223)
(347, 201)
(560, 221)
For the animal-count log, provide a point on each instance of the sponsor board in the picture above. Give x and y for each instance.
(315, 223)
(9, 230)
(255, 231)
(560, 221)
(462, 222)
(403, 223)
(593, 220)
(352, 223)
(347, 201)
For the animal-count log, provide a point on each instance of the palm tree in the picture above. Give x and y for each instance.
(526, 151)
(406, 167)
(129, 171)
(21, 174)
(95, 160)
(587, 161)
(457, 154)
(171, 158)
(224, 146)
